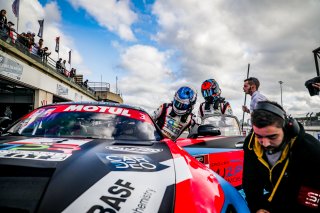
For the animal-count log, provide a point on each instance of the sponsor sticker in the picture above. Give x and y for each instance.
(50, 149)
(134, 149)
(143, 203)
(116, 194)
(135, 114)
(203, 159)
(127, 162)
(228, 165)
(129, 191)
(46, 156)
(309, 197)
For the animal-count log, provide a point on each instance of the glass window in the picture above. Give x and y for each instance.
(228, 125)
(49, 122)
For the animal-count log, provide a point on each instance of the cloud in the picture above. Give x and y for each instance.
(217, 39)
(30, 12)
(148, 79)
(115, 15)
(195, 40)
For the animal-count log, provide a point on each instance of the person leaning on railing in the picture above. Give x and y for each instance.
(10, 30)
(59, 65)
(3, 19)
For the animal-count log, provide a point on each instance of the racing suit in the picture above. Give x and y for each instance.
(218, 107)
(292, 184)
(171, 124)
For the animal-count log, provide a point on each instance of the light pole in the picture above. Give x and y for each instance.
(281, 82)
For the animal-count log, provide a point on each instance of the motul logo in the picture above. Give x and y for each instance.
(111, 110)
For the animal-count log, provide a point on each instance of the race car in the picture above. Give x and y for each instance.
(217, 143)
(103, 157)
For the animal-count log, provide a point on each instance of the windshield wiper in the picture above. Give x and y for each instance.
(11, 133)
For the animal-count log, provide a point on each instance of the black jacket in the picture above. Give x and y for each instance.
(292, 185)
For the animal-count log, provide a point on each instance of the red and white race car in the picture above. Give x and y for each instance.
(103, 157)
(218, 144)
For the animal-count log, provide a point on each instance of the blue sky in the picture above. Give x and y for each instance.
(154, 47)
(89, 35)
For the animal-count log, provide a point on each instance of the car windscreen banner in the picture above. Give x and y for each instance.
(117, 111)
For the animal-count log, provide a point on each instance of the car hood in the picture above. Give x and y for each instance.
(68, 175)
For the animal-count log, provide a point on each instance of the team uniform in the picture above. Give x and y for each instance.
(174, 118)
(171, 124)
(214, 104)
(219, 107)
(285, 178)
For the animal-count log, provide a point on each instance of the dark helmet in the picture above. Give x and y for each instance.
(184, 100)
(210, 90)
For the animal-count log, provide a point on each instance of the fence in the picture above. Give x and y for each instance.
(45, 60)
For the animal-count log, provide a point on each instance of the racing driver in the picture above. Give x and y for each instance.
(175, 117)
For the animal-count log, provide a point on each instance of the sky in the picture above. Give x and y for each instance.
(147, 49)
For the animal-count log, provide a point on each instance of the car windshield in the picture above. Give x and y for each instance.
(228, 125)
(95, 122)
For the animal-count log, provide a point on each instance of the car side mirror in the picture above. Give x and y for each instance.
(208, 130)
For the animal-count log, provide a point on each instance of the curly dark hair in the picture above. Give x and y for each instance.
(262, 118)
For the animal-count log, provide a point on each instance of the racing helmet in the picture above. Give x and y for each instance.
(184, 100)
(210, 90)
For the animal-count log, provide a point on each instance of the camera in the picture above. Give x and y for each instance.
(312, 90)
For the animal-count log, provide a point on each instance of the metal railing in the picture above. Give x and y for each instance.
(99, 86)
(46, 61)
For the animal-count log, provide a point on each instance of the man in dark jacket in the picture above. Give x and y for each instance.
(281, 163)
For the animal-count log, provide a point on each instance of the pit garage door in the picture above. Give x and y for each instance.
(18, 98)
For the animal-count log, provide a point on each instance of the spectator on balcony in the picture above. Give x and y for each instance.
(10, 30)
(40, 47)
(63, 65)
(72, 72)
(3, 19)
(23, 39)
(35, 47)
(46, 53)
(85, 83)
(31, 41)
(59, 66)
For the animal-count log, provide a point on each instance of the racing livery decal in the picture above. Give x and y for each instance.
(134, 149)
(309, 197)
(105, 157)
(119, 192)
(228, 165)
(130, 162)
(49, 149)
(133, 192)
(135, 114)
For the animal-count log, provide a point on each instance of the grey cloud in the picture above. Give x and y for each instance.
(219, 39)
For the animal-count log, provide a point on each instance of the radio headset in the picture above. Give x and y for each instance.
(291, 127)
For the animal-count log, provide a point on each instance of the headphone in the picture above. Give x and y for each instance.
(291, 126)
